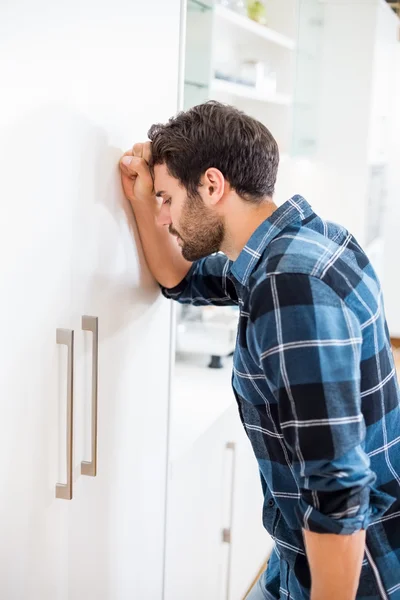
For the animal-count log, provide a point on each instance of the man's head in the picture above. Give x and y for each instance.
(203, 160)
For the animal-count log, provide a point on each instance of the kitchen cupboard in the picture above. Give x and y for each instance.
(215, 540)
(194, 553)
(251, 544)
(80, 83)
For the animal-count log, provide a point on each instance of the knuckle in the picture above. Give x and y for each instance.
(147, 151)
(139, 162)
(138, 149)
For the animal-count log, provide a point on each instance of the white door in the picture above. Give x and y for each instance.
(116, 526)
(251, 544)
(87, 79)
(35, 276)
(199, 493)
(216, 543)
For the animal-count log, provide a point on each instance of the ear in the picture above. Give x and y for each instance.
(213, 185)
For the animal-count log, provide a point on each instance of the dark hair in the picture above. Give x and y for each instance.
(220, 136)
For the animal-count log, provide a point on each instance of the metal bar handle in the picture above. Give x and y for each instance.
(227, 533)
(65, 337)
(92, 324)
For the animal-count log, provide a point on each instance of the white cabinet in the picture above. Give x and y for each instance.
(35, 250)
(194, 552)
(80, 84)
(214, 487)
(251, 544)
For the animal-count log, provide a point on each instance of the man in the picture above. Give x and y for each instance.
(314, 375)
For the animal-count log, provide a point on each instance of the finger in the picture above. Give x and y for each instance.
(124, 168)
(138, 166)
(138, 150)
(127, 174)
(127, 153)
(147, 152)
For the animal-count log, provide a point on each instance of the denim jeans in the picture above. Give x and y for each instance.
(258, 592)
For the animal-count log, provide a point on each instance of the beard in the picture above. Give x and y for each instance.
(201, 232)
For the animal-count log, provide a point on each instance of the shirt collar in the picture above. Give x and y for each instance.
(292, 212)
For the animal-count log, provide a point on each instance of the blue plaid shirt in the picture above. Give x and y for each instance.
(316, 388)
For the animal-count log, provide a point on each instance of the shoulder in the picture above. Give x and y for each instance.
(301, 250)
(293, 292)
(301, 257)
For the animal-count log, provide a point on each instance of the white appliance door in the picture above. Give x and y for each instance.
(83, 81)
(123, 75)
(36, 190)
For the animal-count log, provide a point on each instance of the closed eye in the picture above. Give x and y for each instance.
(167, 201)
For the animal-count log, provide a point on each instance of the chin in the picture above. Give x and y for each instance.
(192, 256)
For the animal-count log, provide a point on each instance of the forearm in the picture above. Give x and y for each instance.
(335, 563)
(162, 253)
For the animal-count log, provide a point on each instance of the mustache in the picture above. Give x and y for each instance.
(173, 231)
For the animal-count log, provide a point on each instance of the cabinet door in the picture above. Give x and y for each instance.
(198, 511)
(35, 271)
(250, 542)
(125, 65)
(116, 528)
(216, 543)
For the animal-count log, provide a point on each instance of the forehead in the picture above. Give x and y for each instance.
(164, 182)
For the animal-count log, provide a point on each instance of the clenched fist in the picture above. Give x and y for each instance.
(135, 174)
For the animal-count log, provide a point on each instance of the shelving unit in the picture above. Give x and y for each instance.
(245, 24)
(244, 91)
(199, 5)
(219, 45)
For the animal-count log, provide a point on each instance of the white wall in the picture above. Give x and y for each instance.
(334, 181)
(392, 225)
(355, 87)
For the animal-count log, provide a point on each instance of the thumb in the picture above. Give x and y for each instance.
(126, 160)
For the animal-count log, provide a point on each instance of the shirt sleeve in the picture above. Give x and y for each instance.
(308, 343)
(206, 283)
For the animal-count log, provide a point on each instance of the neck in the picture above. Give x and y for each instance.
(242, 223)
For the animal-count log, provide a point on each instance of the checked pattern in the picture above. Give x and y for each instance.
(316, 388)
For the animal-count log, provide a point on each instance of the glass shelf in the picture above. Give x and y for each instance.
(196, 84)
(198, 5)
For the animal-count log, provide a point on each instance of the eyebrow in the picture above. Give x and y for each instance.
(161, 193)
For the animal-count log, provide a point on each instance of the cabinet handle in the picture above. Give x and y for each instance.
(227, 532)
(65, 337)
(92, 324)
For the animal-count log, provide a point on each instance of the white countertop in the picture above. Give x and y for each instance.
(199, 397)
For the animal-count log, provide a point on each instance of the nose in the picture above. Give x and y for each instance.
(164, 216)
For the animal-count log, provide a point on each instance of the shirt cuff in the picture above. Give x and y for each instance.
(371, 509)
(175, 292)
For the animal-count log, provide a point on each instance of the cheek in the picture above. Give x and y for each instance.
(173, 212)
(176, 213)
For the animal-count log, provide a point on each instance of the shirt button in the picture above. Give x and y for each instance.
(271, 503)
